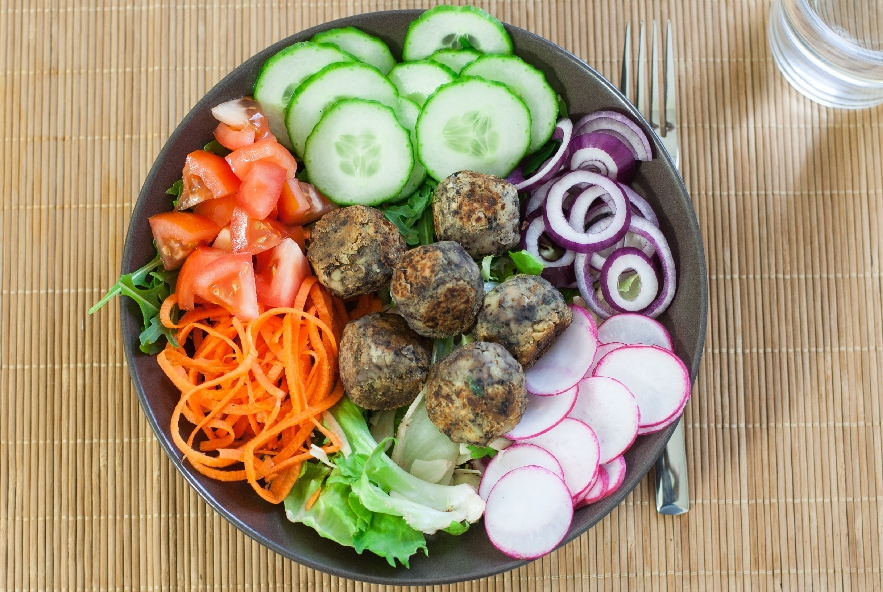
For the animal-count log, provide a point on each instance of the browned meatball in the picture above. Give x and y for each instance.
(438, 289)
(353, 250)
(383, 362)
(478, 211)
(524, 314)
(476, 393)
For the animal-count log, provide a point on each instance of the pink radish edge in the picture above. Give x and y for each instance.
(569, 358)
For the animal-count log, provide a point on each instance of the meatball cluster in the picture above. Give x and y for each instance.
(476, 393)
(353, 250)
(383, 362)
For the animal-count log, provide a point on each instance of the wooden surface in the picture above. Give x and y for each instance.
(784, 429)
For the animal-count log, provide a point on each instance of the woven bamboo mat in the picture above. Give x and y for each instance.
(784, 430)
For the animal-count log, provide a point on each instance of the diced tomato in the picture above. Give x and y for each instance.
(229, 282)
(261, 188)
(233, 138)
(206, 176)
(296, 233)
(241, 160)
(219, 209)
(177, 234)
(252, 235)
(301, 203)
(280, 272)
(224, 241)
(196, 262)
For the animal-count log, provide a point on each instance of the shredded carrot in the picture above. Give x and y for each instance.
(313, 498)
(255, 393)
(366, 304)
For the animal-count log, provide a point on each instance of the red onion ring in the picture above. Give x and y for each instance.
(620, 261)
(620, 126)
(584, 285)
(532, 245)
(655, 237)
(563, 131)
(603, 153)
(568, 237)
(642, 205)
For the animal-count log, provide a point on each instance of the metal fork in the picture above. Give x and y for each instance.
(672, 488)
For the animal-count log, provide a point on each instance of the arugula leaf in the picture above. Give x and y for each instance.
(176, 189)
(477, 452)
(487, 273)
(569, 294)
(527, 263)
(215, 147)
(148, 287)
(562, 108)
(630, 286)
(413, 217)
(463, 40)
(536, 160)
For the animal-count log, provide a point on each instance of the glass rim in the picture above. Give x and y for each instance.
(831, 37)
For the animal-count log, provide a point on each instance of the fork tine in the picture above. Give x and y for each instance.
(670, 115)
(625, 77)
(640, 95)
(654, 82)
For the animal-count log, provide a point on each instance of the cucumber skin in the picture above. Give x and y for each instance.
(448, 8)
(328, 37)
(318, 183)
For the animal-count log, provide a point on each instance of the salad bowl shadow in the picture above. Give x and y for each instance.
(451, 559)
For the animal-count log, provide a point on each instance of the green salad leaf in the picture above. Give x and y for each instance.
(413, 216)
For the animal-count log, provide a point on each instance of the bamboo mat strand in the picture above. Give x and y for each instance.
(784, 433)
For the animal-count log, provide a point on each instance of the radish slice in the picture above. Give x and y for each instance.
(567, 361)
(515, 457)
(606, 406)
(656, 377)
(595, 492)
(576, 448)
(634, 329)
(528, 512)
(603, 350)
(543, 414)
(658, 427)
(615, 471)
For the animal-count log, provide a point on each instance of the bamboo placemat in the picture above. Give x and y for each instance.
(784, 429)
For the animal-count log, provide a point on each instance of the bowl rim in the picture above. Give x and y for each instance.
(131, 351)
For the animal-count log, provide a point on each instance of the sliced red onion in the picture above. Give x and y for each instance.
(642, 205)
(532, 245)
(629, 240)
(604, 154)
(568, 237)
(584, 283)
(560, 277)
(563, 131)
(579, 211)
(655, 237)
(619, 262)
(619, 125)
(538, 199)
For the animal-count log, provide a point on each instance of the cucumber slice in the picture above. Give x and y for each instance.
(353, 80)
(359, 153)
(455, 59)
(407, 114)
(282, 74)
(365, 47)
(472, 125)
(528, 83)
(417, 80)
(449, 26)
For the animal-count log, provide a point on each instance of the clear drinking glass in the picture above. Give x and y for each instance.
(830, 50)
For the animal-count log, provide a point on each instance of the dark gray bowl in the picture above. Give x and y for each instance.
(451, 559)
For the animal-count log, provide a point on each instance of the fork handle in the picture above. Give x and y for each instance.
(672, 489)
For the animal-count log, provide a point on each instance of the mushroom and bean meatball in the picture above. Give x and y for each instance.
(438, 289)
(476, 393)
(479, 211)
(524, 314)
(353, 250)
(383, 362)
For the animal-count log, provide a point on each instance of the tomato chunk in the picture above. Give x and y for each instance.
(206, 176)
(233, 138)
(243, 159)
(224, 241)
(252, 235)
(201, 258)
(229, 282)
(177, 234)
(280, 272)
(301, 203)
(261, 188)
(219, 209)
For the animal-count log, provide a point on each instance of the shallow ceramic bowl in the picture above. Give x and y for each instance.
(450, 559)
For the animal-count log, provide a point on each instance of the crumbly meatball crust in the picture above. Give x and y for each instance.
(476, 393)
(353, 250)
(481, 212)
(524, 314)
(383, 362)
(438, 289)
